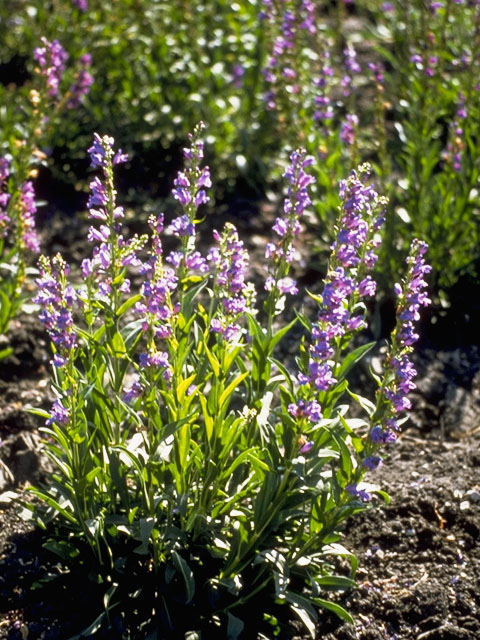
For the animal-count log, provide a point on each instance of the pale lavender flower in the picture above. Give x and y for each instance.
(51, 59)
(230, 261)
(82, 84)
(280, 252)
(28, 209)
(349, 128)
(56, 299)
(58, 414)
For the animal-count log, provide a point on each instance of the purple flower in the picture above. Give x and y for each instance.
(51, 59)
(56, 300)
(348, 129)
(182, 226)
(28, 209)
(100, 150)
(83, 80)
(399, 372)
(133, 391)
(280, 253)
(346, 281)
(236, 296)
(281, 70)
(362, 494)
(58, 414)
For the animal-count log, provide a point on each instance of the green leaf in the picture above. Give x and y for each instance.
(335, 608)
(128, 304)
(303, 608)
(117, 345)
(234, 627)
(214, 363)
(278, 335)
(335, 583)
(4, 353)
(352, 358)
(61, 548)
(187, 575)
(228, 391)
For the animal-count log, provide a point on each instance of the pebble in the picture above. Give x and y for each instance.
(464, 505)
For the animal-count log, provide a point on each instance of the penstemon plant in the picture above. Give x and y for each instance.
(199, 469)
(18, 237)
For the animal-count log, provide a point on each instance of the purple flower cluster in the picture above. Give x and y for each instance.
(399, 373)
(378, 72)
(113, 251)
(346, 282)
(57, 298)
(190, 185)
(352, 68)
(280, 253)
(82, 84)
(425, 63)
(58, 414)
(323, 104)
(392, 397)
(190, 191)
(348, 130)
(28, 209)
(281, 71)
(5, 219)
(51, 59)
(155, 306)
(81, 4)
(230, 261)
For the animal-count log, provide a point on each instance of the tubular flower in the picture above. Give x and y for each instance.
(347, 282)
(392, 398)
(28, 209)
(56, 299)
(280, 253)
(190, 191)
(230, 261)
(113, 252)
(51, 60)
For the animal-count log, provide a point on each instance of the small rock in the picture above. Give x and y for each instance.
(464, 505)
(473, 496)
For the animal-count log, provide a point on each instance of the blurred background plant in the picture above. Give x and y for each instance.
(53, 89)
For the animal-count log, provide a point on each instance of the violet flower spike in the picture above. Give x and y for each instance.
(280, 252)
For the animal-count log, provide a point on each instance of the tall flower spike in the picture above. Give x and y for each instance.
(190, 191)
(392, 398)
(51, 60)
(28, 209)
(56, 299)
(113, 253)
(230, 261)
(280, 253)
(347, 281)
